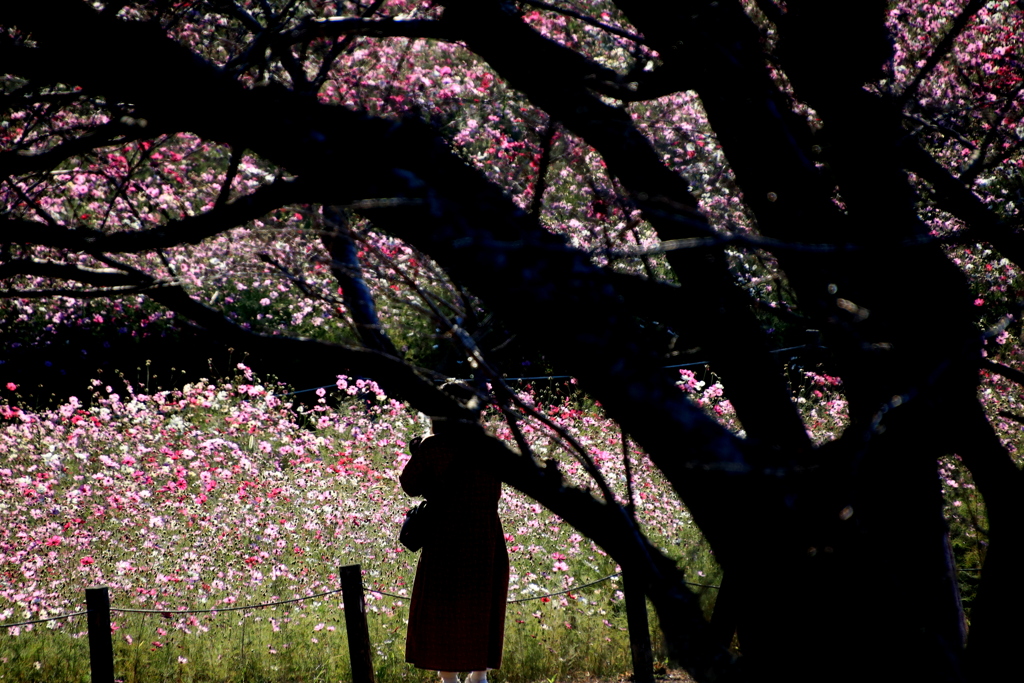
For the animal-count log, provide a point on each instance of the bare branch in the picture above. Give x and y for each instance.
(1006, 371)
(355, 293)
(340, 47)
(584, 18)
(943, 48)
(951, 195)
(229, 176)
(547, 136)
(1000, 481)
(939, 128)
(99, 277)
(114, 133)
(335, 27)
(106, 293)
(1012, 416)
(192, 230)
(524, 59)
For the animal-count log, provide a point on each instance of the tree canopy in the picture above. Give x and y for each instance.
(407, 191)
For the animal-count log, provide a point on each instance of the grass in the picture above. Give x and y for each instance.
(222, 494)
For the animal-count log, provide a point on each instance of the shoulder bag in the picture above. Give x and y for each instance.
(417, 527)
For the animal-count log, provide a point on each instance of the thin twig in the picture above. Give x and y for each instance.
(585, 19)
(943, 48)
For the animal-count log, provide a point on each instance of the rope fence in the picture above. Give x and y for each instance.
(43, 621)
(217, 610)
(100, 628)
(238, 608)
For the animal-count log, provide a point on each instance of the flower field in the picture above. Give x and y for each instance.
(220, 495)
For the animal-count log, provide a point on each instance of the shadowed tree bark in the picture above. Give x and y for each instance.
(799, 529)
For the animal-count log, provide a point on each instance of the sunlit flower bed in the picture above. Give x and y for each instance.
(216, 496)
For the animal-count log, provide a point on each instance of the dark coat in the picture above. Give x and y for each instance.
(457, 612)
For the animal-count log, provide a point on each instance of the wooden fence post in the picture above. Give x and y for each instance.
(355, 624)
(639, 633)
(101, 649)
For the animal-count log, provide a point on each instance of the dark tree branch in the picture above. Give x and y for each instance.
(340, 47)
(651, 85)
(1012, 374)
(980, 159)
(943, 48)
(828, 51)
(943, 130)
(772, 507)
(678, 610)
(404, 160)
(231, 9)
(114, 133)
(951, 195)
(605, 522)
(1012, 416)
(98, 277)
(525, 60)
(1000, 481)
(336, 27)
(192, 230)
(229, 177)
(590, 21)
(771, 11)
(106, 293)
(348, 271)
(547, 137)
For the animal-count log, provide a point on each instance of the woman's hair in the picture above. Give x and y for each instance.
(464, 394)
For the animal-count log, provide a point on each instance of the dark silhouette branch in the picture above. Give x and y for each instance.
(586, 19)
(98, 277)
(347, 270)
(115, 133)
(1012, 374)
(951, 195)
(524, 59)
(341, 47)
(943, 48)
(1000, 481)
(192, 230)
(336, 27)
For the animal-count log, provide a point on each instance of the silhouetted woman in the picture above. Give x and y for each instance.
(457, 614)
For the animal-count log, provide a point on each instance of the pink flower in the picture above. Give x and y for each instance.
(12, 386)
(86, 561)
